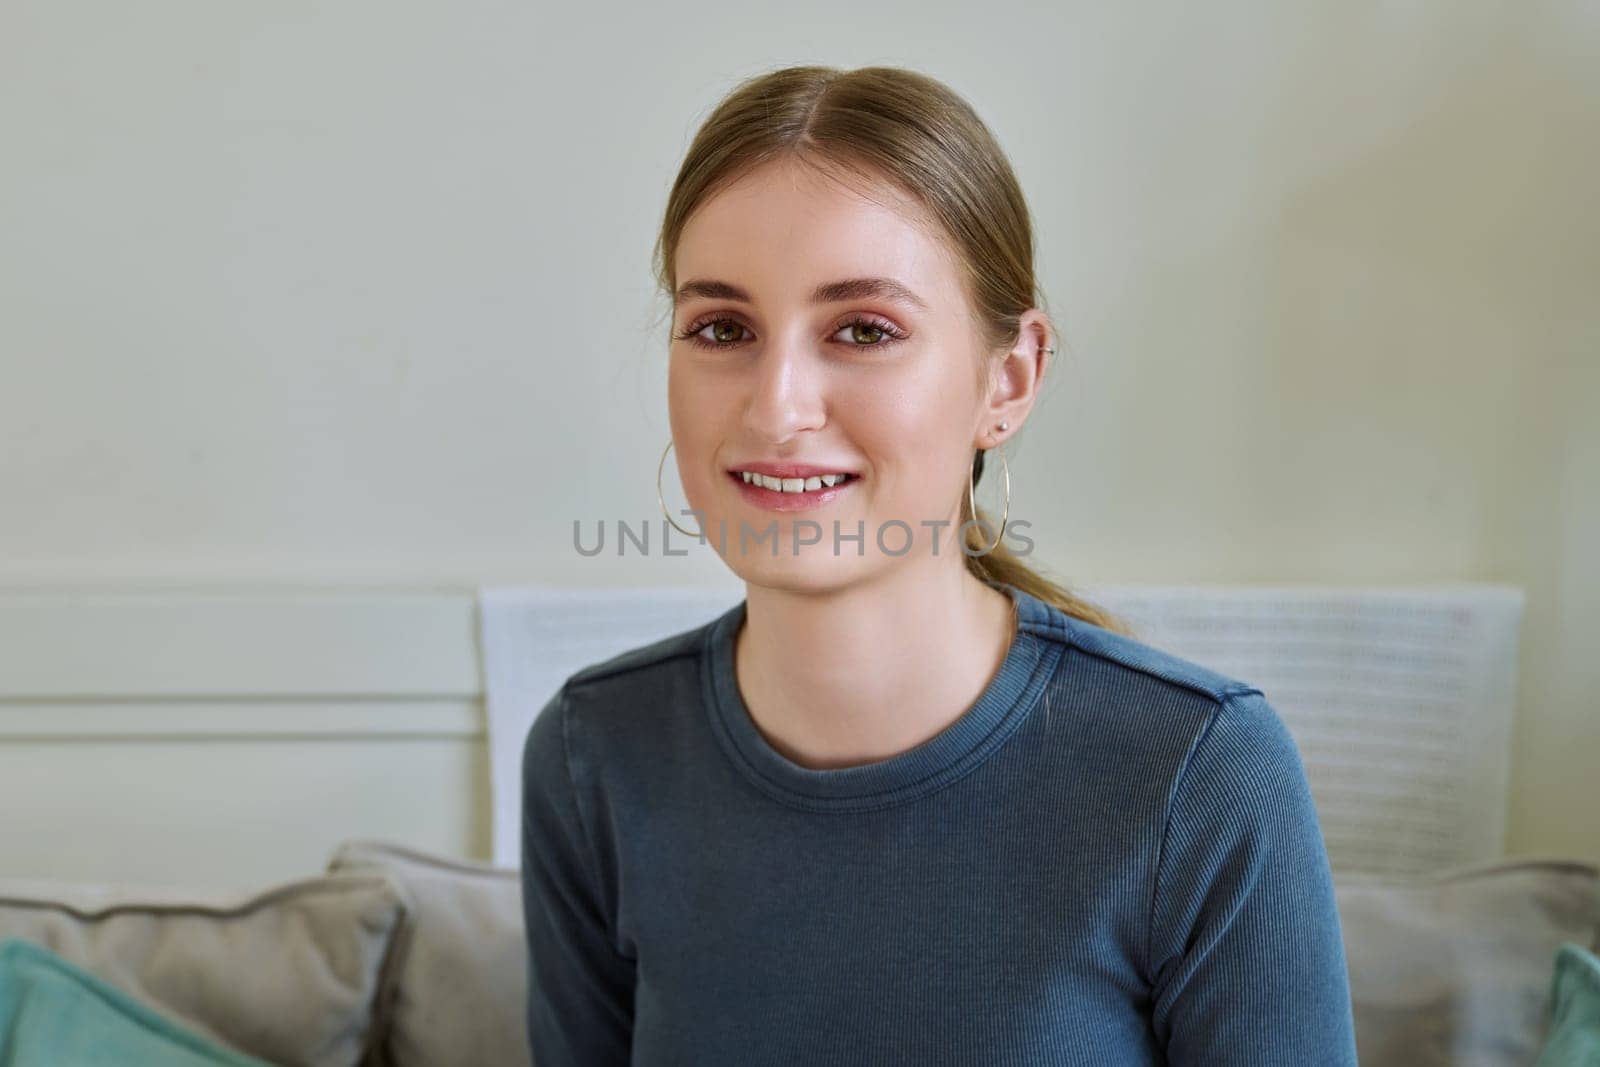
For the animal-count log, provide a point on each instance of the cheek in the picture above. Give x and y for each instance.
(693, 404)
(680, 397)
(698, 410)
(914, 442)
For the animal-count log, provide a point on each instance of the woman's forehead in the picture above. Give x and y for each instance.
(774, 238)
(789, 193)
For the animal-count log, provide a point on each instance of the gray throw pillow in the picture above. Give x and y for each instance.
(288, 975)
(459, 992)
(1454, 968)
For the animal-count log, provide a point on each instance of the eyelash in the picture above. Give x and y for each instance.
(891, 335)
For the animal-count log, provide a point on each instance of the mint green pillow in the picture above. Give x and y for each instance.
(56, 1014)
(1573, 1035)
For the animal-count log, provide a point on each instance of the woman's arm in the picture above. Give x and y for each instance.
(580, 989)
(1246, 956)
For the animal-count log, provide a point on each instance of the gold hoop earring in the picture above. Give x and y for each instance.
(663, 500)
(972, 503)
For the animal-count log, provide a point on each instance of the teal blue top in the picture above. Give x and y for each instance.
(1113, 857)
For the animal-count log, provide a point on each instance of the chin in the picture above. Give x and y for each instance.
(814, 570)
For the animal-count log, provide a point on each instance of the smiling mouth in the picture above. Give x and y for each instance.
(793, 486)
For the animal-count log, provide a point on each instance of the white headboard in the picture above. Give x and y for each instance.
(234, 739)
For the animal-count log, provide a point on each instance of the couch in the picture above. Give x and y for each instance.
(391, 957)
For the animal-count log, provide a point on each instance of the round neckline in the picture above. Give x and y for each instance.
(954, 752)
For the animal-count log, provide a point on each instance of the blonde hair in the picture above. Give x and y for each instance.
(889, 124)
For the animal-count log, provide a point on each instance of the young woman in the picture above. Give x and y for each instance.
(909, 802)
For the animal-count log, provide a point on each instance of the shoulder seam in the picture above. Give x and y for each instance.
(589, 861)
(595, 673)
(1221, 702)
(1053, 630)
(1236, 689)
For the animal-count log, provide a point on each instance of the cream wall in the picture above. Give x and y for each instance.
(358, 294)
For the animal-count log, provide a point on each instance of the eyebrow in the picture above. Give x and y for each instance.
(827, 293)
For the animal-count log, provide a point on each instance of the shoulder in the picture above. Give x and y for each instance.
(1138, 661)
(609, 695)
(1229, 767)
(635, 666)
(616, 695)
(1152, 705)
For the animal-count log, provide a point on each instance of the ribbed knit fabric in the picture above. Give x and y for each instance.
(1112, 858)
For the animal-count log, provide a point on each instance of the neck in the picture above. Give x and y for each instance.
(865, 672)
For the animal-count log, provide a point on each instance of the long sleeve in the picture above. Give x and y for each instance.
(1246, 953)
(580, 989)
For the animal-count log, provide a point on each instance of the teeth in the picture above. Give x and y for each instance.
(791, 485)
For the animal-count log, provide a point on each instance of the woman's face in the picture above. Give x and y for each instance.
(771, 366)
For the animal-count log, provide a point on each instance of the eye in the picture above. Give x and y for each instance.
(883, 332)
(719, 327)
(880, 333)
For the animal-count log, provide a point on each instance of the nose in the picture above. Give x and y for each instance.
(787, 394)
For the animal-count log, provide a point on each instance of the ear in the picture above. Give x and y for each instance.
(1015, 380)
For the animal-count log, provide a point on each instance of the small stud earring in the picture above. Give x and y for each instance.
(1003, 424)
